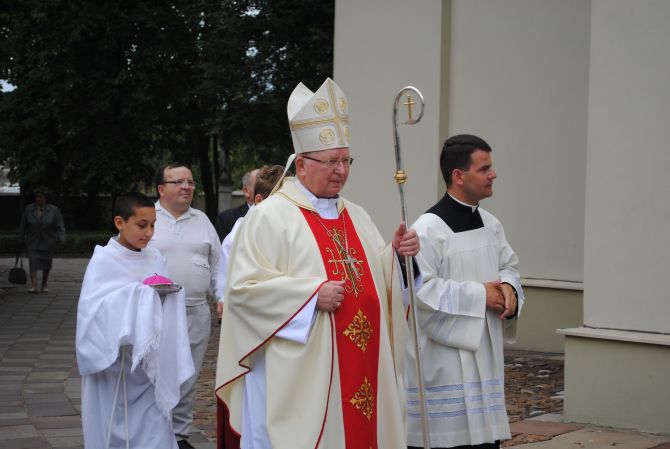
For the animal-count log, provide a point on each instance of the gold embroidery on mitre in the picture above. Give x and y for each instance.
(327, 136)
(342, 103)
(359, 330)
(337, 120)
(346, 133)
(321, 106)
(364, 399)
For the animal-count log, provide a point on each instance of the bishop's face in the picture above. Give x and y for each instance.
(314, 173)
(476, 183)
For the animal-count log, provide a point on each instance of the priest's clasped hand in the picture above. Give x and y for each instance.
(510, 301)
(494, 296)
(500, 297)
(331, 295)
(406, 243)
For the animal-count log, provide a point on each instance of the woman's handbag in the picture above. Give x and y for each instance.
(17, 275)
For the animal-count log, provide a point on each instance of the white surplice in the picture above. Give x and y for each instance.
(224, 259)
(133, 352)
(461, 340)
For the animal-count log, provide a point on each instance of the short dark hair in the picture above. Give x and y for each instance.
(456, 153)
(266, 178)
(160, 173)
(127, 203)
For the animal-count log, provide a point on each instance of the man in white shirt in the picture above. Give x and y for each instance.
(190, 245)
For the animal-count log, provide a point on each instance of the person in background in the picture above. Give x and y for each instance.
(228, 217)
(41, 229)
(132, 348)
(191, 247)
(266, 178)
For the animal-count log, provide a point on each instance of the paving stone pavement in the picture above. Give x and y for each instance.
(40, 386)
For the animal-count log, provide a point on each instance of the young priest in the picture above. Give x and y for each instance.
(132, 350)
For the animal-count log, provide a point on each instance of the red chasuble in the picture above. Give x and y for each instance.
(356, 324)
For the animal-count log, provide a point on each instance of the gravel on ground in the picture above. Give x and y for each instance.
(533, 387)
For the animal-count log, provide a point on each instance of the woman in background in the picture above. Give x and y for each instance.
(41, 229)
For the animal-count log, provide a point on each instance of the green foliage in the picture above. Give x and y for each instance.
(76, 244)
(277, 44)
(82, 244)
(77, 120)
(106, 91)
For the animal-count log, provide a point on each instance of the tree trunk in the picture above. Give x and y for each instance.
(214, 157)
(201, 144)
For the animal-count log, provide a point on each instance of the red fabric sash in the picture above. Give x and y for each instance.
(226, 437)
(356, 327)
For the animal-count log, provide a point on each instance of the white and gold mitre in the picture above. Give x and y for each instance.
(318, 120)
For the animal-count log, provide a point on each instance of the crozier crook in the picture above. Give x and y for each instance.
(400, 177)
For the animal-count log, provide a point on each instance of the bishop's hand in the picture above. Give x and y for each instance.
(331, 295)
(406, 243)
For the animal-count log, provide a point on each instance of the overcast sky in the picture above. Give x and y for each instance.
(5, 86)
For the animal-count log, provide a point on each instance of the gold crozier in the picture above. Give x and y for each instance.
(409, 103)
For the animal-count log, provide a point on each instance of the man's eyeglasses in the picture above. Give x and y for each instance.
(181, 182)
(332, 163)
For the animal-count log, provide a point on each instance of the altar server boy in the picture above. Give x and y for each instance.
(132, 349)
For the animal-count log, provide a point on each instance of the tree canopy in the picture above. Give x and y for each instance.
(106, 91)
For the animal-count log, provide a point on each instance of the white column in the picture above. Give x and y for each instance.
(617, 365)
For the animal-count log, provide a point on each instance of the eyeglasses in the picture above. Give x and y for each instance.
(332, 163)
(181, 182)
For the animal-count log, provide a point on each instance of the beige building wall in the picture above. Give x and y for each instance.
(613, 382)
(573, 96)
(622, 354)
(380, 47)
(514, 72)
(546, 310)
(519, 79)
(627, 254)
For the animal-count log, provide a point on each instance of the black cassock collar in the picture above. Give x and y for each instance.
(457, 216)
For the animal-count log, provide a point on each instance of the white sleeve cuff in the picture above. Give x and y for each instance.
(299, 327)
